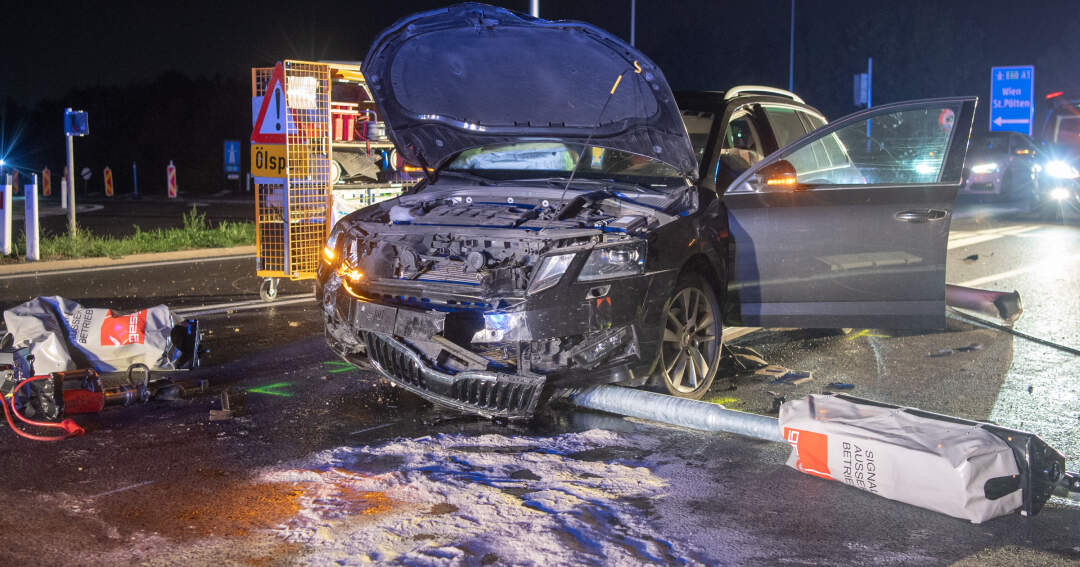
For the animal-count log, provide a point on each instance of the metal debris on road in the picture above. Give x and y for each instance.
(949, 351)
(226, 412)
(744, 359)
(782, 375)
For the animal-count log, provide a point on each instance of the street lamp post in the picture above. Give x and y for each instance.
(791, 52)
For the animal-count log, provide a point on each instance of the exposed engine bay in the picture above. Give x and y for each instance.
(492, 242)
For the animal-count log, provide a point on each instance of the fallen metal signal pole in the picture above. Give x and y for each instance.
(1004, 305)
(966, 469)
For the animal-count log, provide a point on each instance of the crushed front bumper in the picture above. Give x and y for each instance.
(492, 361)
(382, 332)
(490, 394)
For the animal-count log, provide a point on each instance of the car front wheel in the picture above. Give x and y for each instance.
(690, 351)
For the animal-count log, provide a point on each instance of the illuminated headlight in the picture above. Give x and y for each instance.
(331, 252)
(1059, 193)
(348, 272)
(990, 167)
(614, 262)
(1061, 170)
(550, 272)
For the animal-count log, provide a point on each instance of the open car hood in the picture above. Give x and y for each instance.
(471, 75)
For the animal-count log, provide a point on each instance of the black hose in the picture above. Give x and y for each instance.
(1011, 331)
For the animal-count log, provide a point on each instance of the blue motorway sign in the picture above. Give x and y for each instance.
(76, 123)
(232, 157)
(1012, 98)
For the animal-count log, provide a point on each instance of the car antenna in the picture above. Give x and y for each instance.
(588, 140)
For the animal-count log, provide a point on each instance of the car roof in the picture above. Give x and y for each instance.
(717, 100)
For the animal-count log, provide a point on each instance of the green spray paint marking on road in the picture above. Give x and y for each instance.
(336, 366)
(866, 333)
(272, 389)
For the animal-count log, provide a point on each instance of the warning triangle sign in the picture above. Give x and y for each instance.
(270, 125)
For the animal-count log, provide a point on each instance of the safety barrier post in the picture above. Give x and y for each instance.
(5, 218)
(63, 193)
(32, 252)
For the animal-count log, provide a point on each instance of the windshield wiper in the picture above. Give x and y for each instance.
(606, 181)
(479, 179)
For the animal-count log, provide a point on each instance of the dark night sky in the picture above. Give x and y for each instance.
(920, 48)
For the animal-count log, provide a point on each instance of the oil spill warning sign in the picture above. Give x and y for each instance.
(268, 160)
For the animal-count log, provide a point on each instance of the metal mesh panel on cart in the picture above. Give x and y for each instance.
(269, 205)
(260, 76)
(270, 229)
(307, 197)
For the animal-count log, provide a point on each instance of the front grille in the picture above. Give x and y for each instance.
(981, 188)
(492, 395)
(393, 361)
(488, 393)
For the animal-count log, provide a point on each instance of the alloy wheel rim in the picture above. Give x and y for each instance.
(688, 347)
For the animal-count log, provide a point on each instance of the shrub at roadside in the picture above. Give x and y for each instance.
(196, 233)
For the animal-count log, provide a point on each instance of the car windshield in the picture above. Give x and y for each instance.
(540, 160)
(996, 143)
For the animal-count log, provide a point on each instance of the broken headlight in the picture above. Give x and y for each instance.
(614, 262)
(550, 272)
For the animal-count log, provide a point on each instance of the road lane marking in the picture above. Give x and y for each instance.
(244, 305)
(978, 237)
(46, 273)
(1018, 271)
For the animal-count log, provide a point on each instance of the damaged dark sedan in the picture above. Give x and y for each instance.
(571, 231)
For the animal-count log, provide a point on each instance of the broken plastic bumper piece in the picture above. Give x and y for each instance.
(490, 394)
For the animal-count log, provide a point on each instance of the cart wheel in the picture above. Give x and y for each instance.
(268, 289)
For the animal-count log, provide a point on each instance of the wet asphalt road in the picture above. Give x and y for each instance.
(161, 484)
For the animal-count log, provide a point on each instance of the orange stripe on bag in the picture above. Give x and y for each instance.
(813, 450)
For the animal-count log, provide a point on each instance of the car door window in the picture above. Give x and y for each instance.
(906, 146)
(741, 147)
(786, 125)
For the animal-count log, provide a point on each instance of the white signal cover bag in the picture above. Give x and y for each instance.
(935, 464)
(64, 335)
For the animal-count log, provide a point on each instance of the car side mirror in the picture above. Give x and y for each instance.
(778, 175)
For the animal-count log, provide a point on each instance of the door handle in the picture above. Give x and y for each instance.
(923, 215)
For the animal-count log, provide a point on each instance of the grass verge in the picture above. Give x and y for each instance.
(195, 233)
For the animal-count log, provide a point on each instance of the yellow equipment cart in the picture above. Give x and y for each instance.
(318, 152)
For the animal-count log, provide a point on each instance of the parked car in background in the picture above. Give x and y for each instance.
(579, 226)
(1057, 189)
(1002, 166)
